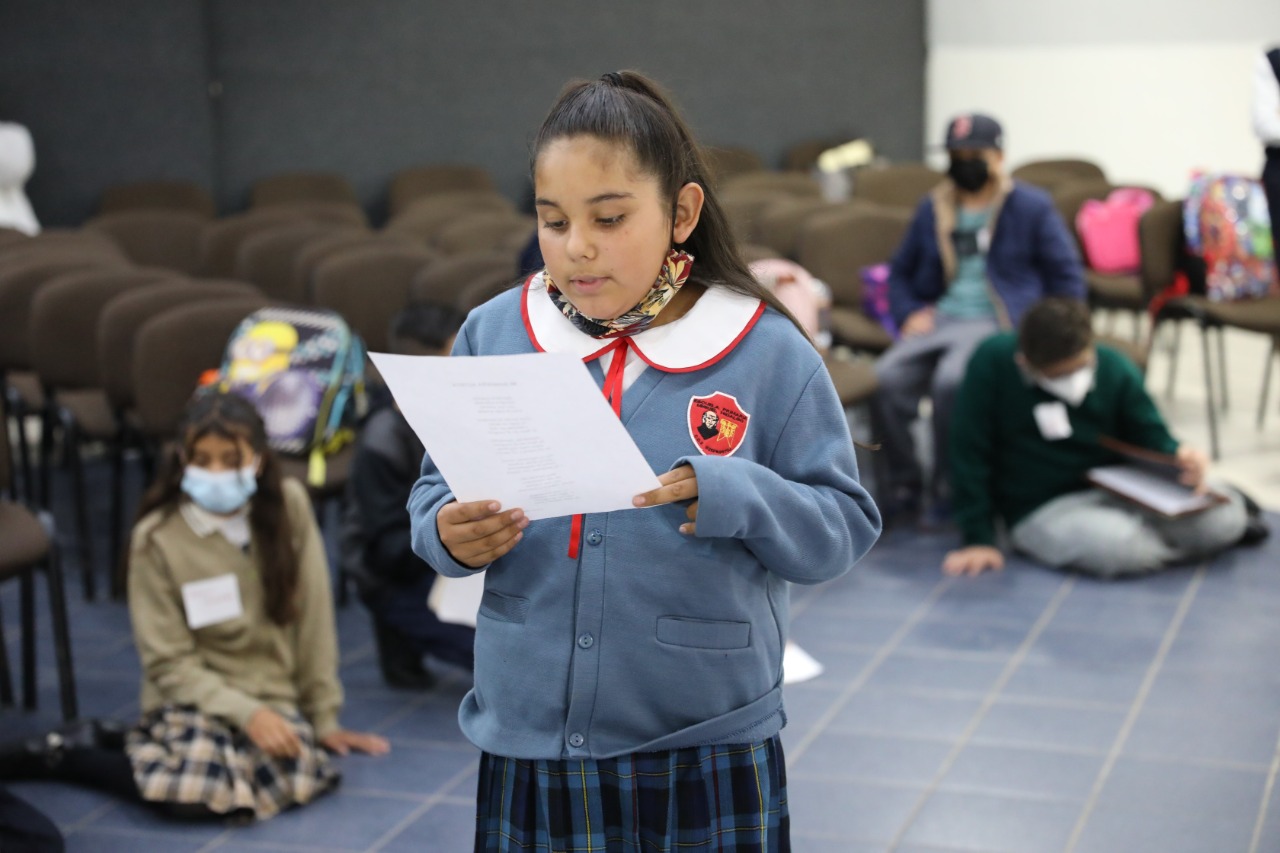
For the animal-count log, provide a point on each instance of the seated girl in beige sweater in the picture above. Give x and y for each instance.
(233, 619)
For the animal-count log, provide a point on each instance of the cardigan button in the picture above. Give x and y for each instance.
(576, 740)
(595, 537)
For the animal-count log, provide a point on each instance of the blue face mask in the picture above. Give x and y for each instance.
(221, 492)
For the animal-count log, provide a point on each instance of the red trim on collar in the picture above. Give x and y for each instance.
(715, 358)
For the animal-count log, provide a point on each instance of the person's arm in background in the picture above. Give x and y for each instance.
(972, 448)
(1266, 102)
(1141, 424)
(1057, 257)
(912, 313)
(381, 488)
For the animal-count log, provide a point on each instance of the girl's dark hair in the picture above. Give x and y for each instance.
(232, 417)
(1053, 330)
(629, 109)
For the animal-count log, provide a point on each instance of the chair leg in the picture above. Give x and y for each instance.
(47, 422)
(1209, 393)
(115, 556)
(1173, 358)
(61, 635)
(71, 441)
(27, 593)
(1266, 380)
(19, 412)
(1222, 364)
(6, 677)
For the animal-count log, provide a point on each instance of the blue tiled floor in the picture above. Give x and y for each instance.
(1019, 712)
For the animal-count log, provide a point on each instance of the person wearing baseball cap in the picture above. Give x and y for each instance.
(980, 250)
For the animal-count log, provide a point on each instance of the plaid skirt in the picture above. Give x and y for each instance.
(723, 797)
(181, 756)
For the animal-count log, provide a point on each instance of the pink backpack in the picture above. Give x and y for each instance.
(1109, 230)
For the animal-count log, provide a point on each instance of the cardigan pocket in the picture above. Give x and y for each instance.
(703, 633)
(504, 608)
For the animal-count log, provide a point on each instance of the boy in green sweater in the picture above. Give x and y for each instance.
(1025, 431)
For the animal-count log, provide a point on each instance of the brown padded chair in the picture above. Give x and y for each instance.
(410, 185)
(1049, 174)
(901, 185)
(744, 208)
(424, 219)
(19, 282)
(783, 183)
(483, 288)
(723, 162)
(294, 187)
(448, 278)
(10, 236)
(156, 238)
(265, 258)
(64, 321)
(173, 350)
(752, 252)
(368, 286)
(778, 225)
(485, 230)
(803, 156)
(314, 251)
(220, 240)
(158, 195)
(27, 546)
(61, 244)
(834, 246)
(855, 380)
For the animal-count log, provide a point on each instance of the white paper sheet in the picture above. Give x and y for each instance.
(457, 600)
(530, 431)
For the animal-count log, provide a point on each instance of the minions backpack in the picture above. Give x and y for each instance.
(303, 369)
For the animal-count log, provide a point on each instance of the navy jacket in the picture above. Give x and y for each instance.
(1030, 254)
(651, 639)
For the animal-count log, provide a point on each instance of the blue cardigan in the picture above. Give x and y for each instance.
(652, 639)
(1031, 255)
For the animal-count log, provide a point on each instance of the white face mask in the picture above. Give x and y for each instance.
(1072, 388)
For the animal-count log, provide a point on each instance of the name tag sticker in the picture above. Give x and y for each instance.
(211, 601)
(1053, 421)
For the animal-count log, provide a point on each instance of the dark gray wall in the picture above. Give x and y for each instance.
(366, 87)
(111, 91)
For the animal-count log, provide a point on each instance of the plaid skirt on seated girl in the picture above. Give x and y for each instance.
(183, 757)
(729, 796)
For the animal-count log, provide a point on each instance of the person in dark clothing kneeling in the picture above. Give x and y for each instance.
(394, 582)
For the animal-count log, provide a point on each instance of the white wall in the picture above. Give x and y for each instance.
(1149, 90)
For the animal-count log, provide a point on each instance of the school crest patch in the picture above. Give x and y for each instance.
(717, 424)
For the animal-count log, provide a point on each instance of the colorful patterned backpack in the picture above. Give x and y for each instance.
(303, 368)
(1227, 226)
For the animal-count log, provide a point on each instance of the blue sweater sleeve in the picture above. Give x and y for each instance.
(905, 266)
(805, 516)
(1057, 257)
(429, 494)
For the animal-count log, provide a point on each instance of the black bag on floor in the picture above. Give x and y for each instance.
(24, 829)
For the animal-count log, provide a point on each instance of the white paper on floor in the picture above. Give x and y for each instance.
(798, 665)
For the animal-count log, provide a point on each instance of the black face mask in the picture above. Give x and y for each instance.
(969, 175)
